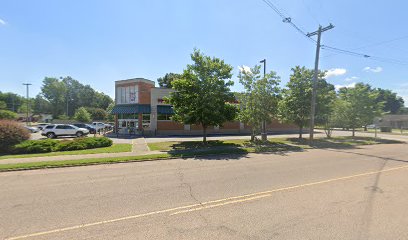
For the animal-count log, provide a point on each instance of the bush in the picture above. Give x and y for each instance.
(6, 114)
(11, 133)
(84, 143)
(82, 115)
(36, 146)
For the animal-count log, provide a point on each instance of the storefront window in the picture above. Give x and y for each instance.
(163, 117)
(146, 120)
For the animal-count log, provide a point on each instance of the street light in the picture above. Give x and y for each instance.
(28, 101)
(264, 135)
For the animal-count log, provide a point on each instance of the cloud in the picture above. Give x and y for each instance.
(2, 22)
(373, 70)
(351, 85)
(244, 69)
(335, 72)
(349, 79)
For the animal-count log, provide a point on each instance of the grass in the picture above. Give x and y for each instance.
(115, 148)
(238, 148)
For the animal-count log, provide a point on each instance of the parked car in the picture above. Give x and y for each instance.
(91, 128)
(108, 126)
(41, 126)
(98, 126)
(32, 129)
(56, 130)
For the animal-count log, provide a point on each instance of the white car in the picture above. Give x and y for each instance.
(55, 130)
(98, 126)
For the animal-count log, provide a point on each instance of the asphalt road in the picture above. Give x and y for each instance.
(319, 194)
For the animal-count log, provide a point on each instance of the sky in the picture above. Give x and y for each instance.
(98, 42)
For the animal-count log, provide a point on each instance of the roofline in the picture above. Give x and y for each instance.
(135, 80)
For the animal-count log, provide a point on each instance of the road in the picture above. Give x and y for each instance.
(342, 194)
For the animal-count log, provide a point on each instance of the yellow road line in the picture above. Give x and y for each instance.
(220, 204)
(206, 205)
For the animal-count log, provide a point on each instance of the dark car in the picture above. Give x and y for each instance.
(86, 126)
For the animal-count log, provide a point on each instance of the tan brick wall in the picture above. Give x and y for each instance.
(276, 125)
(145, 92)
(169, 125)
(196, 127)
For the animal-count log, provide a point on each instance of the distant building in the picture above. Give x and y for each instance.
(393, 121)
(140, 109)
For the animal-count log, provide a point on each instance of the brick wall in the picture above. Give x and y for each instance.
(145, 92)
(169, 125)
(230, 125)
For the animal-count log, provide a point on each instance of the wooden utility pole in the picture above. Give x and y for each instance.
(316, 70)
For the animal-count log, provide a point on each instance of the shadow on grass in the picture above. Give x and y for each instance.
(220, 150)
(342, 142)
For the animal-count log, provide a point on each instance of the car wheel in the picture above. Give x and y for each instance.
(79, 134)
(51, 135)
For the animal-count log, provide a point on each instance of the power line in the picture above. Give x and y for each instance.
(287, 19)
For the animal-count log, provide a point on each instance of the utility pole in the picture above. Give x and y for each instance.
(316, 70)
(264, 135)
(28, 101)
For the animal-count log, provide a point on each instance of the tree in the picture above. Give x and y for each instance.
(357, 106)
(259, 100)
(82, 115)
(110, 117)
(55, 92)
(3, 105)
(12, 100)
(40, 105)
(295, 104)
(391, 102)
(203, 93)
(167, 80)
(97, 113)
(6, 114)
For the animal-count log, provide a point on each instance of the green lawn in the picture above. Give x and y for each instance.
(238, 147)
(115, 148)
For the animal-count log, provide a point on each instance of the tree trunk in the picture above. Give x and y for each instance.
(354, 132)
(300, 132)
(252, 134)
(204, 134)
(365, 128)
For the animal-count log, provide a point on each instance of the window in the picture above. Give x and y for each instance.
(146, 120)
(49, 127)
(60, 127)
(126, 95)
(68, 127)
(166, 117)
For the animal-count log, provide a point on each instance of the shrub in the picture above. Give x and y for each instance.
(11, 133)
(6, 114)
(84, 143)
(82, 115)
(36, 146)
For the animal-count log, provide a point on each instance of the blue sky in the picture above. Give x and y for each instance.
(98, 42)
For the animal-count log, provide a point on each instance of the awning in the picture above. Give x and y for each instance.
(165, 109)
(131, 108)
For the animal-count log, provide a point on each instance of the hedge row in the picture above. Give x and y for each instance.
(11, 133)
(51, 145)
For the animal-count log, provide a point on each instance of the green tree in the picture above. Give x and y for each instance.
(6, 114)
(97, 113)
(167, 80)
(55, 92)
(203, 93)
(82, 115)
(40, 105)
(111, 117)
(296, 102)
(357, 106)
(391, 102)
(12, 100)
(3, 105)
(259, 100)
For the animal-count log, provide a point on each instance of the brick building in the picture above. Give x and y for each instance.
(140, 109)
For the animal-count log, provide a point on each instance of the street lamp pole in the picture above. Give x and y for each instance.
(264, 135)
(28, 101)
